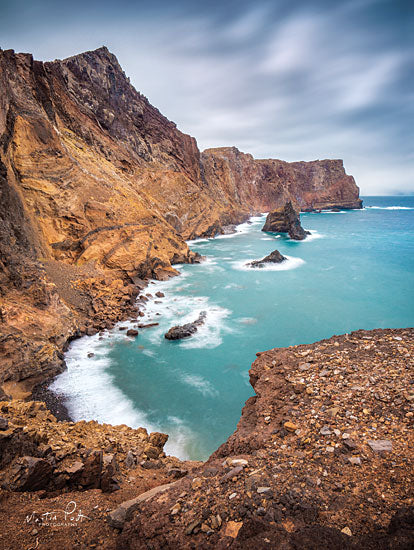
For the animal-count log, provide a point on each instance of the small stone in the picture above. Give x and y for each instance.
(175, 509)
(347, 531)
(325, 430)
(350, 444)
(130, 460)
(233, 528)
(90, 354)
(197, 483)
(233, 472)
(332, 412)
(239, 462)
(4, 423)
(380, 445)
(159, 294)
(290, 427)
(262, 490)
(192, 527)
(304, 366)
(216, 521)
(355, 460)
(132, 332)
(233, 495)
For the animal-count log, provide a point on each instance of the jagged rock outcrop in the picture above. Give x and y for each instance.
(185, 331)
(40, 453)
(285, 220)
(99, 192)
(274, 257)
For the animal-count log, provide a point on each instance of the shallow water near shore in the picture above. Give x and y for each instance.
(354, 271)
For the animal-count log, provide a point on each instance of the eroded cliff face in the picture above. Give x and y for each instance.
(99, 191)
(267, 184)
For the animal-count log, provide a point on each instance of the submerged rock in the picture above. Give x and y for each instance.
(286, 220)
(274, 257)
(184, 331)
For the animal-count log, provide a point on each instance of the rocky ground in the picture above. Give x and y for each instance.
(322, 458)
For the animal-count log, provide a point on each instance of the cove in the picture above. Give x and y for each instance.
(354, 271)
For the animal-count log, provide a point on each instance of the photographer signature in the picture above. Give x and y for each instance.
(69, 515)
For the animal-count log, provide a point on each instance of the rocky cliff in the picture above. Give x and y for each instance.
(99, 191)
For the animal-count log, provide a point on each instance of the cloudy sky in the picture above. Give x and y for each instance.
(289, 79)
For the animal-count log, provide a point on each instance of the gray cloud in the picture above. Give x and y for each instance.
(298, 80)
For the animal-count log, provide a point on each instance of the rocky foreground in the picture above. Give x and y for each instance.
(322, 458)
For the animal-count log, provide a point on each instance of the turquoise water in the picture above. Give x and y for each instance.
(355, 271)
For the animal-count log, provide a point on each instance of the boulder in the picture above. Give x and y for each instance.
(132, 332)
(28, 474)
(4, 423)
(91, 473)
(274, 257)
(184, 331)
(285, 220)
(110, 474)
(124, 512)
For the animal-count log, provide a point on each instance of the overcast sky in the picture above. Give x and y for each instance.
(294, 79)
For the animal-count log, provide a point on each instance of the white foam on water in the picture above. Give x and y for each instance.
(247, 320)
(181, 438)
(388, 208)
(197, 241)
(89, 388)
(289, 263)
(270, 238)
(234, 285)
(209, 335)
(176, 309)
(243, 227)
(200, 384)
(313, 236)
(332, 212)
(92, 395)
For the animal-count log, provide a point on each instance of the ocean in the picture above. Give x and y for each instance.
(355, 271)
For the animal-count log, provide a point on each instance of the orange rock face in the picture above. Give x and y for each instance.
(98, 189)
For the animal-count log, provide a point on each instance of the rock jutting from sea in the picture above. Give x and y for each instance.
(274, 257)
(286, 219)
(185, 331)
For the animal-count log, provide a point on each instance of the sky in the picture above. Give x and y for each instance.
(287, 79)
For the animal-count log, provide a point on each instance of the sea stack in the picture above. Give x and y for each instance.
(274, 257)
(286, 220)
